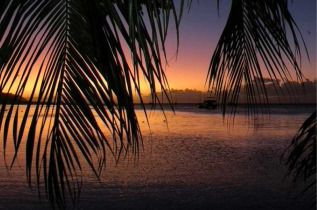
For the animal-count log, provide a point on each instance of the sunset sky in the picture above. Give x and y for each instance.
(200, 30)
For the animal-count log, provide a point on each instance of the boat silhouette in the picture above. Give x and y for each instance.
(209, 103)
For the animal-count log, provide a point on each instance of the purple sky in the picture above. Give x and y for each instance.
(200, 30)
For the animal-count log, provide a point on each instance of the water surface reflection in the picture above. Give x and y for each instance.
(195, 162)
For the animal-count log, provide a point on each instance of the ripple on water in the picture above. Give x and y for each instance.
(195, 163)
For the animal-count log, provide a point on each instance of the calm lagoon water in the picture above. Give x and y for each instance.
(192, 159)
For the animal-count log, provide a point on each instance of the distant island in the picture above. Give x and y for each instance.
(288, 93)
(10, 98)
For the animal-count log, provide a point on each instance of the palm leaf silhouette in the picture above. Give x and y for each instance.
(79, 52)
(301, 156)
(257, 32)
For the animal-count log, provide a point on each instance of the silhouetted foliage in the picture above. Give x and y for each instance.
(83, 81)
(301, 156)
(82, 93)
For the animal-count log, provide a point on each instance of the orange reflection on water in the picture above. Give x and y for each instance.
(189, 153)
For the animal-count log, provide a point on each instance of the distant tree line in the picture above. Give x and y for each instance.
(277, 92)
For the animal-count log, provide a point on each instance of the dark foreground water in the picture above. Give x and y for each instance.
(191, 160)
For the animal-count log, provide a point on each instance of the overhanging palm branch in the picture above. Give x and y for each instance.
(81, 97)
(301, 156)
(254, 40)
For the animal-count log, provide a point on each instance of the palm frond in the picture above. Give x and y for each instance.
(301, 155)
(81, 97)
(254, 41)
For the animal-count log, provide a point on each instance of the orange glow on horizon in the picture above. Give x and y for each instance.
(198, 39)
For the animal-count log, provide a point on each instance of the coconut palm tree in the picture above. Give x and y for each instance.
(75, 56)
